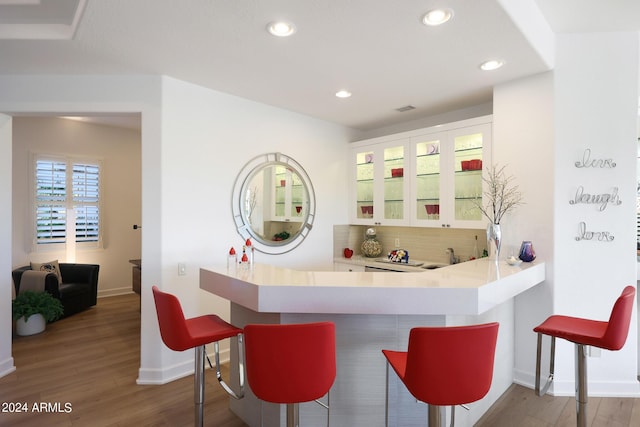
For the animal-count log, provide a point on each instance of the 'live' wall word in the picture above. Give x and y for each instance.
(586, 161)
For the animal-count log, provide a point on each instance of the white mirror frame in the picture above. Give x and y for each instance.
(243, 225)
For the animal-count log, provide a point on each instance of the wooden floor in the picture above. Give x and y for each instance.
(90, 361)
(520, 407)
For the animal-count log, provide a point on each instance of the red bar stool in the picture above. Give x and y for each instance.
(180, 334)
(445, 366)
(609, 335)
(291, 363)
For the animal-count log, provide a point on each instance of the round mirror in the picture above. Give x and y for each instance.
(273, 203)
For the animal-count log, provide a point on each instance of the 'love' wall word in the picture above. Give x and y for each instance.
(584, 234)
(603, 199)
(587, 162)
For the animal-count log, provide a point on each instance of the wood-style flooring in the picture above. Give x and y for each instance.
(90, 361)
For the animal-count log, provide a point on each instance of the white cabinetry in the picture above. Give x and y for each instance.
(380, 189)
(427, 177)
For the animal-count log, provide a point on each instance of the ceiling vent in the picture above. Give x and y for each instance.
(405, 108)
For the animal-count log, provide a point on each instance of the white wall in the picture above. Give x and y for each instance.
(543, 124)
(523, 140)
(119, 151)
(596, 102)
(207, 137)
(6, 360)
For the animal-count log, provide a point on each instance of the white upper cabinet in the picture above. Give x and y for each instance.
(380, 189)
(428, 177)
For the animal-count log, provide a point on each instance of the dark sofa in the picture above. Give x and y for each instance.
(78, 291)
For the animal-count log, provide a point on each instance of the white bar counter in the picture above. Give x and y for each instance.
(372, 311)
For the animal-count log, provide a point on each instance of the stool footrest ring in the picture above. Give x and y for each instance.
(224, 385)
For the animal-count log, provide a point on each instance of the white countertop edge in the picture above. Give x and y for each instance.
(469, 290)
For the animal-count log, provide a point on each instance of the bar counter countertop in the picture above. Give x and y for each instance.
(468, 288)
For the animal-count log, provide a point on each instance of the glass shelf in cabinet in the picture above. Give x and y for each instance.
(394, 159)
(470, 149)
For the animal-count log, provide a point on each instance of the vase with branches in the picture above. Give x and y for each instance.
(502, 195)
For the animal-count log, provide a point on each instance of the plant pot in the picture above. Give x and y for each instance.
(33, 325)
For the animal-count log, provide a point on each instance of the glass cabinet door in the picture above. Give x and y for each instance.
(468, 156)
(280, 191)
(428, 175)
(394, 183)
(364, 184)
(298, 197)
(290, 196)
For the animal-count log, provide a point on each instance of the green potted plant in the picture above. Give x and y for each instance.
(32, 310)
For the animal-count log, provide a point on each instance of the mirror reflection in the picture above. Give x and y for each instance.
(274, 203)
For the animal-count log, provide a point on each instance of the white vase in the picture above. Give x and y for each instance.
(33, 325)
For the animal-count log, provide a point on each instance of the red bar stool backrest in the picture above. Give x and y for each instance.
(173, 326)
(451, 365)
(618, 327)
(290, 363)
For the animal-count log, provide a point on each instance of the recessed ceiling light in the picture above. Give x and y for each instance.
(343, 94)
(437, 17)
(281, 28)
(493, 64)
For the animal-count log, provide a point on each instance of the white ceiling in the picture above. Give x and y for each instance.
(377, 49)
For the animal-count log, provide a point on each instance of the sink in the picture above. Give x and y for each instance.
(433, 266)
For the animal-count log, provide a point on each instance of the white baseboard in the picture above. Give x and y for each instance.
(7, 367)
(165, 374)
(175, 372)
(567, 388)
(114, 291)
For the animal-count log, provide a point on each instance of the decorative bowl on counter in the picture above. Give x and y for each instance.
(514, 261)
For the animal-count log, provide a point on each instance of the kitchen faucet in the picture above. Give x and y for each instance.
(453, 259)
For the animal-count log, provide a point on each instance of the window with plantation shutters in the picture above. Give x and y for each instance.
(62, 184)
(86, 180)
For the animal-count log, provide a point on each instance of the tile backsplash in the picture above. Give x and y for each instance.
(422, 243)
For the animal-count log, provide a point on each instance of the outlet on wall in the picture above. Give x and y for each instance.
(397, 242)
(182, 269)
